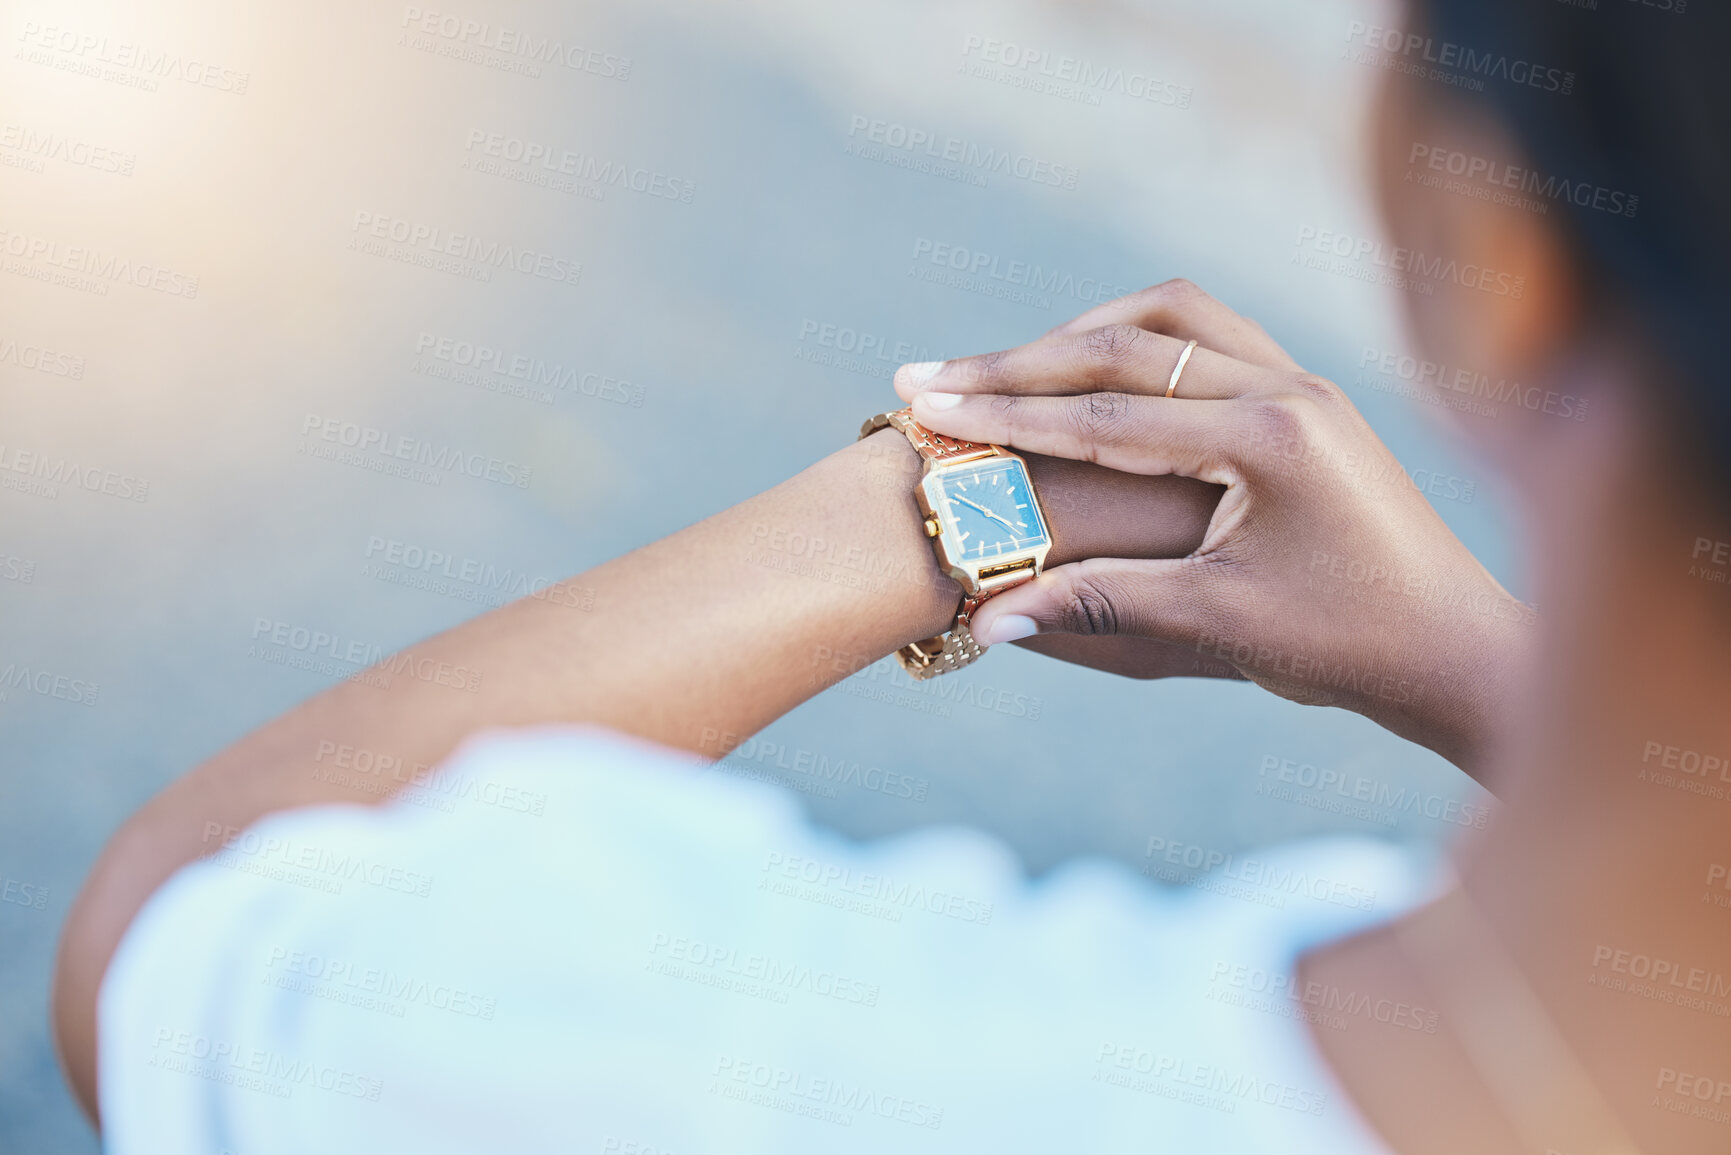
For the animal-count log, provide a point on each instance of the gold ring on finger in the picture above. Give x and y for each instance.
(1178, 370)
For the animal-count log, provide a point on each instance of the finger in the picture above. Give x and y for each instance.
(1133, 434)
(1179, 309)
(1178, 601)
(1121, 358)
(1141, 658)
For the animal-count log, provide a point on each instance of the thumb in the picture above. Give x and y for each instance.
(1169, 600)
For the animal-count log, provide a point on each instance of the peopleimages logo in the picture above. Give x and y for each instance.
(1402, 263)
(344, 977)
(1457, 63)
(880, 888)
(1498, 175)
(311, 647)
(93, 50)
(419, 243)
(1117, 1062)
(527, 47)
(537, 374)
(890, 354)
(582, 167)
(935, 146)
(466, 578)
(1329, 1002)
(800, 1093)
(47, 472)
(995, 275)
(1323, 781)
(41, 359)
(768, 971)
(1661, 972)
(1072, 77)
(818, 766)
(45, 146)
(1683, 1093)
(102, 268)
(320, 862)
(415, 451)
(355, 765)
(1472, 385)
(1202, 863)
(220, 1060)
(20, 893)
(47, 683)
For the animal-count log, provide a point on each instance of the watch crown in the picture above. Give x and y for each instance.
(932, 529)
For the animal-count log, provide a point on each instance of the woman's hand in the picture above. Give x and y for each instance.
(1324, 575)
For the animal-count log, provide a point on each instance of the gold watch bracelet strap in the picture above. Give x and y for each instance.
(933, 447)
(956, 647)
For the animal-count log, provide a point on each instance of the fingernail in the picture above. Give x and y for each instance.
(940, 401)
(1007, 628)
(919, 372)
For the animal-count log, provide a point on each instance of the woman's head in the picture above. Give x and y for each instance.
(1588, 151)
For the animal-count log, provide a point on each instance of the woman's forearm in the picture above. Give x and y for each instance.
(694, 641)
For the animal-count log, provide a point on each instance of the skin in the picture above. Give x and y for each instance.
(1625, 669)
(1311, 498)
(1586, 854)
(693, 664)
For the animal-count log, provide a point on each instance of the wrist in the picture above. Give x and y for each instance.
(1093, 511)
(1472, 674)
(883, 470)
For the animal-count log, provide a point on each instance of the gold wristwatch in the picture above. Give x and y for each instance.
(985, 523)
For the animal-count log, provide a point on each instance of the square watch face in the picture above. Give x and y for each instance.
(987, 510)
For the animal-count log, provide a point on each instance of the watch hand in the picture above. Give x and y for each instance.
(987, 512)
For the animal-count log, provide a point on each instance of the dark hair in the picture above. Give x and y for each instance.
(1646, 113)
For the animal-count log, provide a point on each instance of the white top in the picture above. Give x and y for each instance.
(569, 941)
